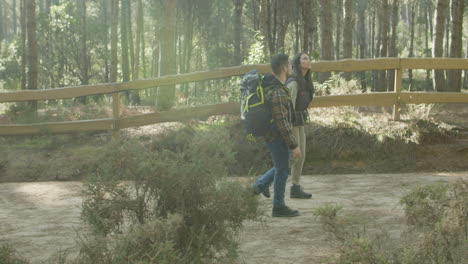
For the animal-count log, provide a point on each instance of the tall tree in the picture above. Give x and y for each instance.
(385, 21)
(23, 43)
(427, 52)
(130, 40)
(339, 21)
(32, 50)
(447, 31)
(124, 42)
(265, 25)
(114, 39)
(437, 45)
(238, 8)
(362, 5)
(376, 41)
(454, 76)
(411, 15)
(283, 15)
(393, 41)
(84, 65)
(2, 23)
(326, 37)
(15, 18)
(348, 34)
(465, 78)
(105, 16)
(143, 43)
(166, 94)
(134, 94)
(139, 34)
(307, 17)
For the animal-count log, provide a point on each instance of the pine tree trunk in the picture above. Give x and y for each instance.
(314, 46)
(454, 76)
(15, 18)
(265, 25)
(411, 49)
(255, 7)
(124, 42)
(23, 44)
(238, 8)
(339, 18)
(296, 32)
(326, 37)
(382, 84)
(447, 33)
(84, 50)
(377, 42)
(430, 8)
(427, 52)
(105, 15)
(32, 51)
(188, 39)
(2, 24)
(308, 24)
(130, 41)
(393, 49)
(465, 79)
(348, 34)
(134, 94)
(372, 35)
(114, 39)
(139, 32)
(362, 39)
(166, 95)
(437, 45)
(143, 48)
(283, 20)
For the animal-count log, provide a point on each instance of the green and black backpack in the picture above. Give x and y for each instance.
(256, 112)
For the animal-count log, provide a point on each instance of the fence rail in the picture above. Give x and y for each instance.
(395, 98)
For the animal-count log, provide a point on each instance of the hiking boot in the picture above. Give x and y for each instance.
(284, 212)
(265, 192)
(297, 192)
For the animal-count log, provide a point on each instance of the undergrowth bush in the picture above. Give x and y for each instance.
(8, 255)
(437, 218)
(166, 203)
(438, 215)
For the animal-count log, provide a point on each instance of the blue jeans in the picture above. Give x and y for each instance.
(279, 173)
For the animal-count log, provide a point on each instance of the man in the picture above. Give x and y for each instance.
(280, 141)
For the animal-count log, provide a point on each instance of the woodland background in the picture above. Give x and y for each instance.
(58, 43)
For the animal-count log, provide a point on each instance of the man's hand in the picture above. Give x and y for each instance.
(296, 153)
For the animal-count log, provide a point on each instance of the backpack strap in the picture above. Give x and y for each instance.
(290, 79)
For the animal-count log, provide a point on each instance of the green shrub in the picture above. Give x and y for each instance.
(437, 215)
(166, 204)
(8, 255)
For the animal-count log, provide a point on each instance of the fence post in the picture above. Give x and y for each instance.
(116, 114)
(397, 90)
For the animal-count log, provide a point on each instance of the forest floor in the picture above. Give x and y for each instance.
(42, 217)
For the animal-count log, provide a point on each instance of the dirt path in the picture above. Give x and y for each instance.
(39, 218)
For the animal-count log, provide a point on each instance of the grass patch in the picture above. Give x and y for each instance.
(437, 218)
(8, 255)
(166, 203)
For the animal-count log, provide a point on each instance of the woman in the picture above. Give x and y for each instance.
(302, 93)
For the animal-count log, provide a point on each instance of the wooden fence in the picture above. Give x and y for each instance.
(395, 98)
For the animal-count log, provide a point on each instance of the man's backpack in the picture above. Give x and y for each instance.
(255, 111)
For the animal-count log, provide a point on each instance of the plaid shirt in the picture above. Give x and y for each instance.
(282, 110)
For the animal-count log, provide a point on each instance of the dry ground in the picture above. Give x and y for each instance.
(42, 217)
